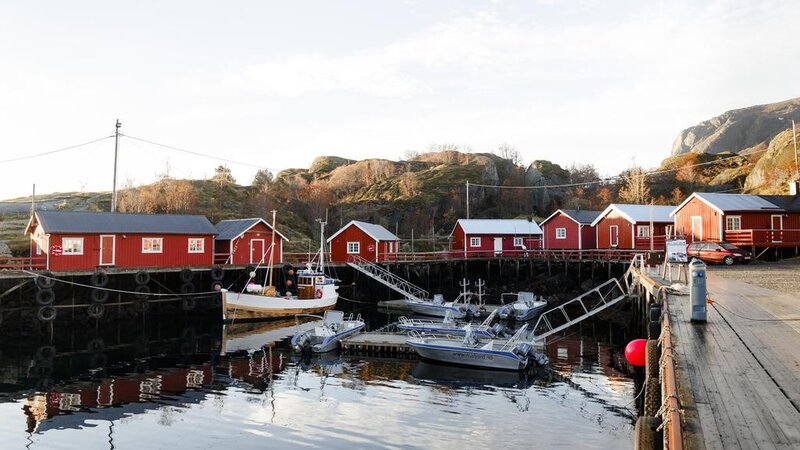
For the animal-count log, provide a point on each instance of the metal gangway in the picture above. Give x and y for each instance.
(586, 305)
(383, 276)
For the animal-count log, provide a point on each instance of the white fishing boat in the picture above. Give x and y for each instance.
(450, 326)
(326, 336)
(459, 308)
(525, 307)
(512, 354)
(316, 292)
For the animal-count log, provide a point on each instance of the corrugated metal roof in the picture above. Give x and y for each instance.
(376, 231)
(229, 229)
(581, 215)
(638, 213)
(106, 222)
(499, 226)
(739, 202)
(790, 203)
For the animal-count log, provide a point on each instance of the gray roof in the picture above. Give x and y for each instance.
(638, 213)
(790, 203)
(738, 202)
(499, 226)
(581, 215)
(233, 228)
(376, 232)
(106, 222)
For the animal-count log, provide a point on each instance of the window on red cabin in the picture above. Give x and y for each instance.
(152, 245)
(642, 230)
(197, 245)
(353, 248)
(733, 223)
(475, 242)
(72, 246)
(561, 233)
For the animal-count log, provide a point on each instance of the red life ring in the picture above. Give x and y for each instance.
(319, 293)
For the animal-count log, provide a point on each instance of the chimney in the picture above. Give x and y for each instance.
(794, 187)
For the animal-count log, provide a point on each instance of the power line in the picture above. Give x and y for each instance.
(71, 147)
(609, 179)
(204, 155)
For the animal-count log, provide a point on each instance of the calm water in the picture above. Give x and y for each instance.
(170, 384)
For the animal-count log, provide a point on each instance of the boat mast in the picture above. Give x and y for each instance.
(271, 287)
(322, 245)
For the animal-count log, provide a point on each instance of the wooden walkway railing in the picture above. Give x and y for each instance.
(764, 238)
(23, 263)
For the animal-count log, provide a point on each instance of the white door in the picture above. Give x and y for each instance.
(498, 246)
(777, 228)
(697, 228)
(256, 251)
(107, 249)
(613, 235)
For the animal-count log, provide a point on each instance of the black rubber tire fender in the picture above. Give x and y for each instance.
(186, 275)
(99, 295)
(96, 310)
(652, 396)
(653, 330)
(99, 278)
(188, 304)
(217, 273)
(142, 277)
(45, 297)
(46, 314)
(646, 435)
(188, 288)
(45, 281)
(652, 354)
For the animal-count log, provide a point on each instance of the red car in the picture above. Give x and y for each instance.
(718, 252)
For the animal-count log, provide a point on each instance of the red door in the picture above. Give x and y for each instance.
(777, 228)
(257, 251)
(107, 250)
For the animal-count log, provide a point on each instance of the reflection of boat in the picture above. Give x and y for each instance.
(458, 308)
(254, 335)
(326, 336)
(526, 307)
(465, 376)
(513, 354)
(450, 326)
(316, 292)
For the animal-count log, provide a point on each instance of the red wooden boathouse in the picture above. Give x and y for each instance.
(625, 226)
(494, 237)
(569, 229)
(246, 241)
(758, 221)
(77, 241)
(367, 240)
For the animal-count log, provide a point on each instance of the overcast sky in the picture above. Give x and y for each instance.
(276, 84)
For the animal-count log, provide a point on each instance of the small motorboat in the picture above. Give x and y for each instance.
(459, 308)
(450, 326)
(326, 336)
(513, 354)
(526, 307)
(249, 336)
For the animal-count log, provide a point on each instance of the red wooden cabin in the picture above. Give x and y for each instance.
(367, 240)
(569, 229)
(494, 237)
(624, 226)
(83, 241)
(758, 221)
(247, 241)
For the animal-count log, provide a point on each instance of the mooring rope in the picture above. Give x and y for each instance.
(120, 291)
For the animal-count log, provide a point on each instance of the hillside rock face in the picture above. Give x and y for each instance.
(739, 130)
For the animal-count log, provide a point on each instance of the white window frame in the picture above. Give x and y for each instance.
(642, 231)
(474, 242)
(729, 219)
(353, 248)
(518, 242)
(561, 233)
(64, 246)
(199, 249)
(160, 241)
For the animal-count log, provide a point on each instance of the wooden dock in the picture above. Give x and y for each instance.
(378, 343)
(738, 375)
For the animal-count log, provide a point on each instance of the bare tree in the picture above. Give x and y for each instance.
(223, 176)
(509, 152)
(636, 188)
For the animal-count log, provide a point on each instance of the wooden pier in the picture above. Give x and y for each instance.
(736, 377)
(378, 343)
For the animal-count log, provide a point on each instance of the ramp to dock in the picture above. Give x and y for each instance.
(387, 278)
(739, 373)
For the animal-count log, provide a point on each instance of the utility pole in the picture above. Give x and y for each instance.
(467, 199)
(116, 150)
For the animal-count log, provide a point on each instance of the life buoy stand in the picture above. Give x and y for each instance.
(217, 273)
(45, 297)
(318, 293)
(99, 278)
(141, 277)
(45, 280)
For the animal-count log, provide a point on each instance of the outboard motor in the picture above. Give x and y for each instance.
(498, 330)
(301, 342)
(523, 349)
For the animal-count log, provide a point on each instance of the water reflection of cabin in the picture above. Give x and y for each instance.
(73, 240)
(246, 241)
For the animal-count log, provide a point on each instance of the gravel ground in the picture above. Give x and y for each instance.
(782, 276)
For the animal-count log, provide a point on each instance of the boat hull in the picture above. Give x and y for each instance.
(437, 309)
(433, 329)
(242, 306)
(333, 343)
(474, 357)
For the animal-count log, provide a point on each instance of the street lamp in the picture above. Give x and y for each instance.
(794, 138)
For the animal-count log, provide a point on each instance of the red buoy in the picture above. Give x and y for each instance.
(634, 352)
(288, 283)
